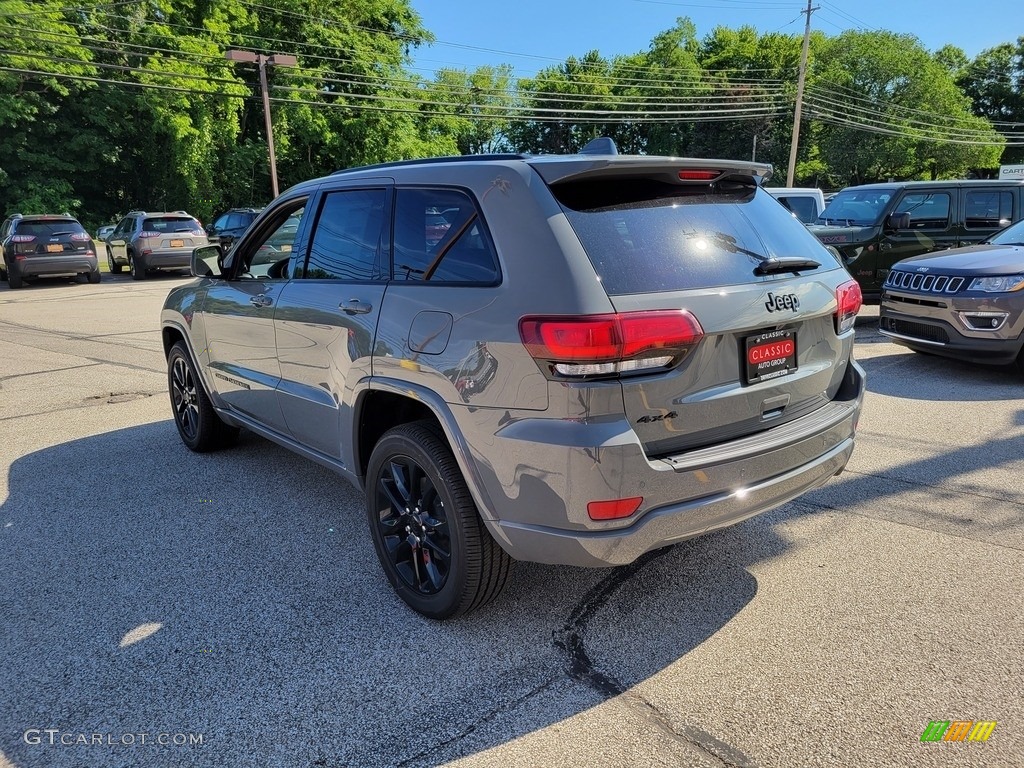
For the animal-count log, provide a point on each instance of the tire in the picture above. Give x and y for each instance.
(1019, 362)
(460, 568)
(137, 274)
(94, 276)
(113, 266)
(13, 280)
(198, 424)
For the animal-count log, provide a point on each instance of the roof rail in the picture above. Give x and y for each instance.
(17, 215)
(135, 213)
(435, 161)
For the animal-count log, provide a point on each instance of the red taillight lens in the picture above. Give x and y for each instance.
(692, 175)
(146, 234)
(602, 345)
(849, 300)
(81, 236)
(614, 508)
(23, 238)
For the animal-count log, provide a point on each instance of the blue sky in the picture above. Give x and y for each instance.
(531, 34)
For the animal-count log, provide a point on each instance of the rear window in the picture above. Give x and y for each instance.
(645, 236)
(52, 228)
(171, 224)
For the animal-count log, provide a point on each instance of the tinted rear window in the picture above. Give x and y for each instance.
(49, 228)
(644, 236)
(171, 224)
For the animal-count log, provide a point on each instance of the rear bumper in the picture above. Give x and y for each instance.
(178, 258)
(674, 522)
(538, 475)
(63, 264)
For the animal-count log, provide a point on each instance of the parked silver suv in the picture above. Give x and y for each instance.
(146, 241)
(599, 355)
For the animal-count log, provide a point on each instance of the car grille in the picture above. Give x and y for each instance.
(916, 281)
(915, 330)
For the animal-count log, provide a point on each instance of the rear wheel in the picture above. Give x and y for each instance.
(198, 424)
(1019, 362)
(137, 272)
(94, 276)
(112, 265)
(429, 537)
(13, 280)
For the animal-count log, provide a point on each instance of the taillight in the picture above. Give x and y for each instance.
(81, 236)
(849, 300)
(146, 234)
(612, 344)
(198, 233)
(23, 238)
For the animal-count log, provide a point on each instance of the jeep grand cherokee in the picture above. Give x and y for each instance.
(599, 356)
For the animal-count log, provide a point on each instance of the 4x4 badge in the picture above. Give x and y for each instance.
(787, 301)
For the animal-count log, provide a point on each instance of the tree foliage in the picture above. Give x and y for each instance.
(109, 108)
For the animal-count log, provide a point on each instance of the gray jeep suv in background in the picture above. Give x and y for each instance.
(147, 241)
(966, 303)
(597, 356)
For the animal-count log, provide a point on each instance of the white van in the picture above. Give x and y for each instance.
(806, 203)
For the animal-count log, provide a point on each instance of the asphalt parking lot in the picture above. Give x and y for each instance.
(155, 598)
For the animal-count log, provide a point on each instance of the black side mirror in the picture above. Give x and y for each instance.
(206, 261)
(898, 221)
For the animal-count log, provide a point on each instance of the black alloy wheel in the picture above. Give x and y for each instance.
(199, 426)
(429, 538)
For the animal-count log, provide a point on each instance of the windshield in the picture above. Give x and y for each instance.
(1012, 235)
(856, 207)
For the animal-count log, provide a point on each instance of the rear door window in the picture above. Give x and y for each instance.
(647, 236)
(988, 209)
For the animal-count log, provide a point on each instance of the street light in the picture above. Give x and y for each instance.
(262, 59)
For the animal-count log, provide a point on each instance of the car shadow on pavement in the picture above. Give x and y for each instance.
(916, 376)
(236, 598)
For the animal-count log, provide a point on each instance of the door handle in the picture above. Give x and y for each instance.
(261, 301)
(355, 307)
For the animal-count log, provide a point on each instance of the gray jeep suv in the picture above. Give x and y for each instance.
(598, 356)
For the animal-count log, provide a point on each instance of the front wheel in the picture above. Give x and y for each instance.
(112, 265)
(429, 537)
(198, 424)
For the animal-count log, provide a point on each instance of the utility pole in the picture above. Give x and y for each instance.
(799, 95)
(262, 59)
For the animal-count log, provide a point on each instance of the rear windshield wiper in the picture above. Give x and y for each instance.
(785, 264)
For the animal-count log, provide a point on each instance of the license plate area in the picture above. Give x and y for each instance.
(769, 355)
(177, 243)
(54, 248)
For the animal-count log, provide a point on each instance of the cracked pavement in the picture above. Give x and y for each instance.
(236, 595)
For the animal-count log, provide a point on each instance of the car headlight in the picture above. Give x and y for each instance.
(1003, 284)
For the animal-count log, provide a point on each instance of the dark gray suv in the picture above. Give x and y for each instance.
(44, 245)
(596, 356)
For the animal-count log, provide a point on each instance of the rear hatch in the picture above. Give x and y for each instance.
(51, 237)
(770, 351)
(172, 232)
